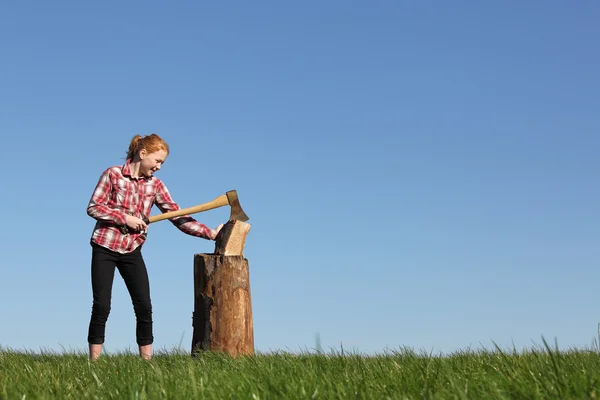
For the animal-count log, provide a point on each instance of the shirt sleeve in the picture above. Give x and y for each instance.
(184, 223)
(98, 206)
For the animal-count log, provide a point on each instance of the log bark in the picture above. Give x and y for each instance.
(222, 318)
(231, 238)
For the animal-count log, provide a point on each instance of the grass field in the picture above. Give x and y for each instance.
(538, 373)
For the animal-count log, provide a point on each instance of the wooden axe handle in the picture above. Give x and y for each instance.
(218, 202)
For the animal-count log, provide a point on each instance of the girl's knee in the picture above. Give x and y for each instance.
(143, 308)
(101, 310)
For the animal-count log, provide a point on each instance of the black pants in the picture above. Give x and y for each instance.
(133, 271)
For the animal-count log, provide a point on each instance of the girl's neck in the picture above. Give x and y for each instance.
(134, 168)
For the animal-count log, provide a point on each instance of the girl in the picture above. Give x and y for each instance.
(120, 204)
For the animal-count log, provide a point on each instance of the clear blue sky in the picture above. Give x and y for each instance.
(417, 174)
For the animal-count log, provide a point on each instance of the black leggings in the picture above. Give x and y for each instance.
(133, 271)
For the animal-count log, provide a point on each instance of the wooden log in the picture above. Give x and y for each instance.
(231, 238)
(222, 318)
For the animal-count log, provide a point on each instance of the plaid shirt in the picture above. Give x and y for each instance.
(117, 194)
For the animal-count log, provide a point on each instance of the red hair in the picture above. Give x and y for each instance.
(150, 143)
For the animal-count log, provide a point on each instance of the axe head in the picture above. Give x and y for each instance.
(237, 214)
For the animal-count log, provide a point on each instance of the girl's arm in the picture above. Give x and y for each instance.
(184, 223)
(98, 206)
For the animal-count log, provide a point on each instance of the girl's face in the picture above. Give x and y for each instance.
(151, 162)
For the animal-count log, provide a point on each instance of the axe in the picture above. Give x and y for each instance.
(230, 198)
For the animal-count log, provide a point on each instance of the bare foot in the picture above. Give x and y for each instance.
(146, 352)
(95, 350)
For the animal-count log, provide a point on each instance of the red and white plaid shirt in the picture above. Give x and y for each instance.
(118, 194)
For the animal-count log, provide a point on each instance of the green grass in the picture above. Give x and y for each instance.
(539, 373)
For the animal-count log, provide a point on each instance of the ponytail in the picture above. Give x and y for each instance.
(134, 147)
(151, 143)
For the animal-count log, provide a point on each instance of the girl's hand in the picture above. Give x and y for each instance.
(135, 223)
(216, 231)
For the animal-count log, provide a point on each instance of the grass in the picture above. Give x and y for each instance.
(538, 373)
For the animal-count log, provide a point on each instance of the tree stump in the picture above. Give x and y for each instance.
(222, 318)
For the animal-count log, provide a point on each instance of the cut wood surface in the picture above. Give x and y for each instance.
(231, 238)
(222, 317)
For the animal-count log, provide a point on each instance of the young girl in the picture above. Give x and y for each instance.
(121, 202)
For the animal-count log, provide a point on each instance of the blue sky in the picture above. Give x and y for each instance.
(417, 174)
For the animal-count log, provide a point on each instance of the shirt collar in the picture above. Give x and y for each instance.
(126, 171)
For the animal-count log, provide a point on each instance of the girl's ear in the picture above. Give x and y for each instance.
(143, 153)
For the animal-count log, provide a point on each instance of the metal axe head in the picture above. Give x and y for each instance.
(237, 214)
